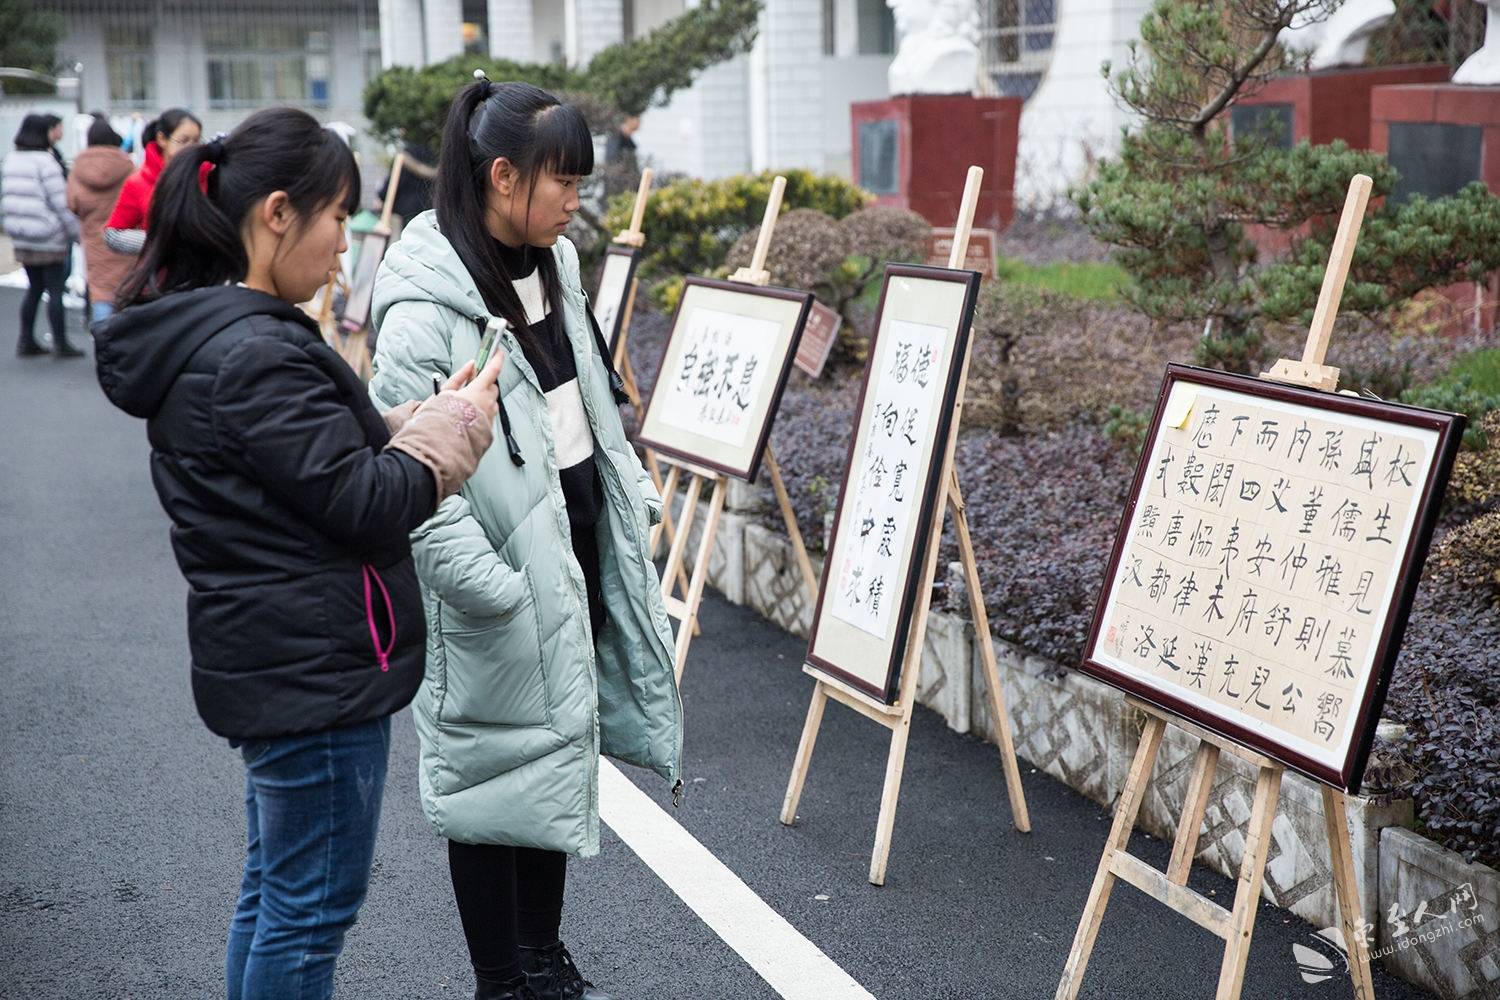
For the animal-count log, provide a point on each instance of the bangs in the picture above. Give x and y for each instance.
(562, 142)
(337, 174)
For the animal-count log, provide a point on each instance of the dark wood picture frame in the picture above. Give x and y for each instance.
(611, 335)
(934, 490)
(1449, 430)
(752, 469)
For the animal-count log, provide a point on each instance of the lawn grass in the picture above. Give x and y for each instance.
(1092, 280)
(1482, 369)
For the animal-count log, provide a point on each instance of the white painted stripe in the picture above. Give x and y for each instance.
(793, 966)
(571, 436)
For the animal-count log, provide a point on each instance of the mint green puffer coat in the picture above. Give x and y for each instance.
(518, 703)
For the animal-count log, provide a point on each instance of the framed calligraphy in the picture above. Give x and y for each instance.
(1266, 563)
(892, 485)
(726, 363)
(614, 286)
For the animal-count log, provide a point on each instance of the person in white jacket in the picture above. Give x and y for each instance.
(34, 208)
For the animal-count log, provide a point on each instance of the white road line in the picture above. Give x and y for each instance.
(794, 967)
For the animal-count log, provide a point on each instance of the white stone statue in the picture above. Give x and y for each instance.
(937, 47)
(1342, 38)
(1483, 67)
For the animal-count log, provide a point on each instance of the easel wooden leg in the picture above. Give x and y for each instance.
(895, 765)
(1020, 816)
(1126, 809)
(700, 568)
(1194, 804)
(678, 549)
(804, 754)
(790, 517)
(668, 491)
(1346, 892)
(1252, 872)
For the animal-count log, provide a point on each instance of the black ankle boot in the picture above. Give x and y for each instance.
(67, 350)
(516, 989)
(553, 976)
(27, 347)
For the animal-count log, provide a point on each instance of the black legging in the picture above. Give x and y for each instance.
(49, 278)
(507, 897)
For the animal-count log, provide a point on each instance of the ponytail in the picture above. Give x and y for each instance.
(193, 236)
(535, 132)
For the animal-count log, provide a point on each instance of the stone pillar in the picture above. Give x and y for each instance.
(592, 25)
(512, 31)
(786, 67)
(442, 24)
(401, 33)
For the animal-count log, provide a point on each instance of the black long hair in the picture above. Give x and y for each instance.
(166, 123)
(101, 133)
(33, 133)
(534, 131)
(193, 238)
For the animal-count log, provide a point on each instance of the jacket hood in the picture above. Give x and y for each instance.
(141, 350)
(102, 168)
(423, 267)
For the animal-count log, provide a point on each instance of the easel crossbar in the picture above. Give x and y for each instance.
(1196, 907)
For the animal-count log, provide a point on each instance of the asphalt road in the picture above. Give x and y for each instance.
(121, 827)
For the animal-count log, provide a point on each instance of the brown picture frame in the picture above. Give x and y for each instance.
(934, 489)
(674, 448)
(1448, 428)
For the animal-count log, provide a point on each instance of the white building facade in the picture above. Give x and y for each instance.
(784, 104)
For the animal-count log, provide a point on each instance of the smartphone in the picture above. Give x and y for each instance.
(486, 345)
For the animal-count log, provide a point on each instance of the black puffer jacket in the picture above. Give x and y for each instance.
(289, 520)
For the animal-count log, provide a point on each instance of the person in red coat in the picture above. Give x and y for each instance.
(164, 137)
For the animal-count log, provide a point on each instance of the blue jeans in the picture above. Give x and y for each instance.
(311, 807)
(100, 311)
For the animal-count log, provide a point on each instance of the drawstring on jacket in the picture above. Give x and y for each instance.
(382, 655)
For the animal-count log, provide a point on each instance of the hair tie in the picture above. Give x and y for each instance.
(213, 152)
(485, 86)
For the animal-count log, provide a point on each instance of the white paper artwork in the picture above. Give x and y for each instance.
(611, 291)
(724, 361)
(887, 477)
(1261, 560)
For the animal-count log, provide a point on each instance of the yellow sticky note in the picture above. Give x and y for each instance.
(1179, 407)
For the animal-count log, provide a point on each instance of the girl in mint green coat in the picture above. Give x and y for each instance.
(548, 640)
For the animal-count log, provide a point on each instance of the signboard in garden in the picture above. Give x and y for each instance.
(892, 480)
(978, 256)
(818, 338)
(726, 363)
(1266, 563)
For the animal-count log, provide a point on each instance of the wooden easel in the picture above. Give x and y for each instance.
(897, 717)
(685, 607)
(1234, 925)
(633, 237)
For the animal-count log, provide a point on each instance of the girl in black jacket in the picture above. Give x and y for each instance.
(291, 500)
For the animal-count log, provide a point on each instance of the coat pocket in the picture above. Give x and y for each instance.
(494, 668)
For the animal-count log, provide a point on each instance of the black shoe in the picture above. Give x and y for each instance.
(67, 350)
(515, 990)
(553, 976)
(28, 348)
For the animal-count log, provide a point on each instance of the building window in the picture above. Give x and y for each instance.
(1015, 43)
(877, 28)
(129, 65)
(250, 65)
